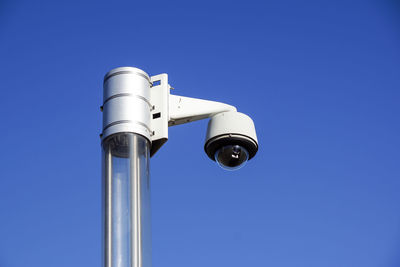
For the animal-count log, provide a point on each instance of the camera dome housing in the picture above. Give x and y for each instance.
(231, 139)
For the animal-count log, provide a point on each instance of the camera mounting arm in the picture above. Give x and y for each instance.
(186, 109)
(169, 110)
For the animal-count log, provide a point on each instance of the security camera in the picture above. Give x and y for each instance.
(231, 139)
(135, 102)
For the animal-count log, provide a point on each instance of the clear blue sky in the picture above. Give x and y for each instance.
(321, 79)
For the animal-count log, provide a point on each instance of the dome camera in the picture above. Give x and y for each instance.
(231, 139)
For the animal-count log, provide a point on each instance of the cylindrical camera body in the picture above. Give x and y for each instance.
(126, 102)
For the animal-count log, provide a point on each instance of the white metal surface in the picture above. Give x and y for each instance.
(231, 123)
(186, 109)
(159, 96)
(126, 102)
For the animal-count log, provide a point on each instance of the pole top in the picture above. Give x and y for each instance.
(126, 70)
(126, 102)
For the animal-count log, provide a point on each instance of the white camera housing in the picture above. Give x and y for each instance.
(231, 129)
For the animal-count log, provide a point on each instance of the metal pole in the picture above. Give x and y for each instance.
(126, 185)
(126, 198)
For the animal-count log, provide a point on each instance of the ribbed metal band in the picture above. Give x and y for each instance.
(128, 94)
(108, 76)
(128, 122)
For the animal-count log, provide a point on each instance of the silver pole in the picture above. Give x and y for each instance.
(126, 198)
(126, 153)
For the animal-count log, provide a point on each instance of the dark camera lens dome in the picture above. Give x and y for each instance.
(231, 157)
